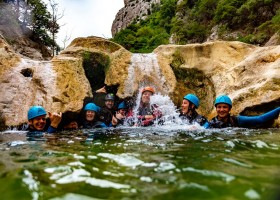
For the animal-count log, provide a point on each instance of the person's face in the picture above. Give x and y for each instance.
(146, 96)
(90, 115)
(38, 123)
(122, 111)
(185, 106)
(109, 104)
(222, 110)
(71, 125)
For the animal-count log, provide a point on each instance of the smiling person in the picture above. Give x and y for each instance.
(90, 120)
(188, 110)
(223, 119)
(37, 120)
(147, 112)
(106, 113)
(120, 115)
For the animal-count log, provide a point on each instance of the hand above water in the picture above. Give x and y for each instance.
(55, 119)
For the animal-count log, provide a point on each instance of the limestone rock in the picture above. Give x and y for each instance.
(133, 10)
(248, 74)
(274, 40)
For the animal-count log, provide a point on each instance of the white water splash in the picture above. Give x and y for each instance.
(170, 114)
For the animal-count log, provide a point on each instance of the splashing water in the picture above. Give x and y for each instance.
(145, 67)
(170, 114)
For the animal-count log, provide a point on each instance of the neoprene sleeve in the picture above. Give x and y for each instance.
(254, 121)
(51, 129)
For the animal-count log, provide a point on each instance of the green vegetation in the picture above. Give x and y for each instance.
(250, 21)
(33, 18)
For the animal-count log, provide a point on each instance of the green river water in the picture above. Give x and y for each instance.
(142, 163)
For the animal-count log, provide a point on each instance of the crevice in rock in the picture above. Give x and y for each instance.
(95, 65)
(27, 72)
(261, 108)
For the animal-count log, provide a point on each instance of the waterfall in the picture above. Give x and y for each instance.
(144, 70)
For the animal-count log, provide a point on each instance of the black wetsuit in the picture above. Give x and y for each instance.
(105, 115)
(231, 121)
(93, 124)
(194, 117)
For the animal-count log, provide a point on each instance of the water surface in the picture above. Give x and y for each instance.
(142, 163)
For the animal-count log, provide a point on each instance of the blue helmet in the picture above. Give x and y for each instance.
(109, 97)
(223, 99)
(122, 106)
(92, 107)
(36, 111)
(193, 99)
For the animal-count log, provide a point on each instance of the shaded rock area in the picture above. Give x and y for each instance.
(249, 74)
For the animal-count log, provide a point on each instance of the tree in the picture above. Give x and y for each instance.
(53, 24)
(33, 16)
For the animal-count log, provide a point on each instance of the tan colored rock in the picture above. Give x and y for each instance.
(247, 73)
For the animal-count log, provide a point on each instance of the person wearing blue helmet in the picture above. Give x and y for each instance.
(120, 115)
(90, 121)
(37, 120)
(223, 119)
(188, 110)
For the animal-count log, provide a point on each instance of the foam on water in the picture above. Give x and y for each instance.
(32, 184)
(164, 166)
(252, 194)
(66, 175)
(124, 159)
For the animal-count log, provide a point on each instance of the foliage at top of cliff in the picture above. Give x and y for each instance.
(191, 21)
(31, 19)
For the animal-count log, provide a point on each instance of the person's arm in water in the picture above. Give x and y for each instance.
(255, 121)
(55, 119)
(206, 125)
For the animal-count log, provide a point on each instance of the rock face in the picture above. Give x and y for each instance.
(132, 10)
(249, 74)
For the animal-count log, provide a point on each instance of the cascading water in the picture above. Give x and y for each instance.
(144, 70)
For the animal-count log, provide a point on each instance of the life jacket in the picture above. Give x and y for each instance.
(232, 121)
(194, 118)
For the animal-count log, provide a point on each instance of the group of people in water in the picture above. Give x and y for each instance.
(146, 115)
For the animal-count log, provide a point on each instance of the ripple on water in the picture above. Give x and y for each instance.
(226, 177)
(81, 175)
